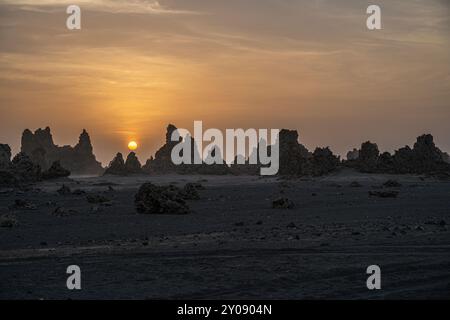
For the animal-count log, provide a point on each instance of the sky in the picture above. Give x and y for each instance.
(310, 65)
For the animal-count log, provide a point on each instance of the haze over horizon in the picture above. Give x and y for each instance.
(137, 66)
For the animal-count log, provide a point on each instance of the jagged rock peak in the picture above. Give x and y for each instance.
(170, 129)
(116, 166)
(5, 156)
(84, 142)
(132, 163)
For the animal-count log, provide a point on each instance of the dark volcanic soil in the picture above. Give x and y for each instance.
(234, 244)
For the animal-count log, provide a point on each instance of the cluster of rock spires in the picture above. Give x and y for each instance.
(41, 149)
(22, 169)
(121, 168)
(296, 160)
(162, 162)
(423, 158)
(41, 159)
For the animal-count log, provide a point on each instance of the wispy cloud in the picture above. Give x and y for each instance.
(112, 6)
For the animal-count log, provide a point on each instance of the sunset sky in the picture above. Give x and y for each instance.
(310, 65)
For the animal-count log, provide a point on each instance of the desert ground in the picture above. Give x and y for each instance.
(234, 244)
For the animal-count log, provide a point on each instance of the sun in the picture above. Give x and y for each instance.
(132, 145)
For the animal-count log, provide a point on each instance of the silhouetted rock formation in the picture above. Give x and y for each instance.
(423, 158)
(18, 171)
(368, 157)
(117, 166)
(24, 169)
(132, 165)
(242, 166)
(5, 156)
(42, 150)
(322, 162)
(296, 160)
(353, 155)
(7, 178)
(446, 157)
(385, 162)
(162, 162)
(293, 156)
(55, 171)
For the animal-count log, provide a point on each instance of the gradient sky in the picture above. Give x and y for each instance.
(310, 65)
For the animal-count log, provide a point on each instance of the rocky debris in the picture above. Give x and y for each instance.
(392, 184)
(62, 212)
(55, 171)
(384, 194)
(64, 190)
(96, 209)
(23, 204)
(283, 203)
(8, 221)
(39, 146)
(6, 190)
(117, 166)
(291, 225)
(153, 199)
(190, 191)
(5, 156)
(355, 184)
(105, 184)
(436, 222)
(197, 185)
(334, 185)
(97, 198)
(78, 192)
(132, 164)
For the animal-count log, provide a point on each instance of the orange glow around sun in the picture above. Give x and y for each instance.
(132, 145)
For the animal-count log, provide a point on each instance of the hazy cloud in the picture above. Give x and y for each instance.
(112, 6)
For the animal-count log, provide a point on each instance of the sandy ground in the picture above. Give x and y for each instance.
(233, 245)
